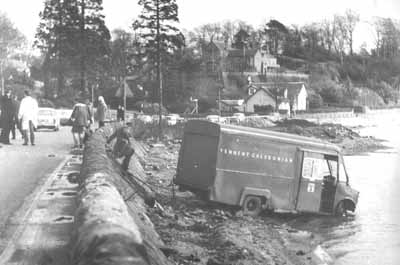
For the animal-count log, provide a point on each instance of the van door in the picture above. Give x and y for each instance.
(317, 183)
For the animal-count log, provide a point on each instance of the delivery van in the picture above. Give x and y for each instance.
(260, 169)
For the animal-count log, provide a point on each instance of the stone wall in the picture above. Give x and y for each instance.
(111, 224)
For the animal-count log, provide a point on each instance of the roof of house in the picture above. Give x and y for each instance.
(293, 88)
(262, 89)
(232, 102)
(220, 45)
(239, 52)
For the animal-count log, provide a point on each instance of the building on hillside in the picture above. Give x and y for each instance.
(213, 55)
(250, 60)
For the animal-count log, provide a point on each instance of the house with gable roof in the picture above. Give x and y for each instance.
(288, 95)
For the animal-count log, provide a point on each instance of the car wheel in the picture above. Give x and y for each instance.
(252, 205)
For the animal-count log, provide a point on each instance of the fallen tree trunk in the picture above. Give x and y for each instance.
(107, 231)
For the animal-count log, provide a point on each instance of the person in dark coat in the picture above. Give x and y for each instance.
(80, 118)
(120, 113)
(122, 147)
(7, 118)
(16, 123)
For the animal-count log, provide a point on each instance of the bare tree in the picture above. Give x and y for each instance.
(327, 34)
(351, 20)
(341, 35)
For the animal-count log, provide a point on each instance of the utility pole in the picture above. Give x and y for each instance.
(159, 74)
(2, 77)
(83, 45)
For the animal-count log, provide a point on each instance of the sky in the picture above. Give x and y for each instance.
(192, 13)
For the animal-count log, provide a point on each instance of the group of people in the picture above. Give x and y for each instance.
(82, 118)
(18, 115)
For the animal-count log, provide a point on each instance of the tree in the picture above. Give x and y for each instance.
(73, 35)
(387, 37)
(93, 39)
(341, 35)
(53, 39)
(276, 33)
(10, 38)
(160, 36)
(351, 19)
(327, 32)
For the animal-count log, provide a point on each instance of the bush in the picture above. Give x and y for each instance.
(315, 101)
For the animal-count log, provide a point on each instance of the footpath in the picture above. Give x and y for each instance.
(44, 223)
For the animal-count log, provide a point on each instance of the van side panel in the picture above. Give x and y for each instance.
(248, 161)
(197, 160)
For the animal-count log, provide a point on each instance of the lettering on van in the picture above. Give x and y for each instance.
(263, 156)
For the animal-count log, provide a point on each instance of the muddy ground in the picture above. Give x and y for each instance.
(197, 232)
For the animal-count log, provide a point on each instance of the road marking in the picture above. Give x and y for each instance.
(10, 248)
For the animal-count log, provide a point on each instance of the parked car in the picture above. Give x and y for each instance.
(48, 118)
(173, 119)
(260, 169)
(145, 118)
(215, 118)
(239, 116)
(64, 115)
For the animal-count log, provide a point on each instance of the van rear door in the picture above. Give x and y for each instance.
(313, 195)
(197, 162)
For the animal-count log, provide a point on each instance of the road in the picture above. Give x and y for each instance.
(22, 171)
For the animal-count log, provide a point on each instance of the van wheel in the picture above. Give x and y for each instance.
(252, 205)
(340, 209)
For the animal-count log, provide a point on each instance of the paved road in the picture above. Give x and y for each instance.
(24, 168)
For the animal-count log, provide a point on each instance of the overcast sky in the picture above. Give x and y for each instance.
(192, 13)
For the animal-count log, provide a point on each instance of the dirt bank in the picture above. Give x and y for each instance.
(349, 140)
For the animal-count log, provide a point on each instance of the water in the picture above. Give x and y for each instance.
(372, 236)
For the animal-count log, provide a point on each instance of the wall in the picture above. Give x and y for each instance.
(302, 99)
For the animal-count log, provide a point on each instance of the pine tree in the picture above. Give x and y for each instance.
(73, 35)
(52, 38)
(94, 39)
(160, 36)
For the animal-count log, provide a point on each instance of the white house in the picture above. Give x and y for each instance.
(262, 97)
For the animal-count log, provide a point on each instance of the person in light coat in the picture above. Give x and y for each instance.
(101, 111)
(28, 115)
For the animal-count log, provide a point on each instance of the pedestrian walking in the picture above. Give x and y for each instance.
(120, 113)
(80, 118)
(16, 124)
(88, 132)
(7, 117)
(122, 146)
(27, 116)
(101, 111)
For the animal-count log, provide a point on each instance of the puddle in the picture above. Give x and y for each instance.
(69, 193)
(63, 219)
(73, 177)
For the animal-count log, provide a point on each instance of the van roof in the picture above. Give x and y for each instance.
(211, 128)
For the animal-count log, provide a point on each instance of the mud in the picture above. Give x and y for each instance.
(198, 232)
